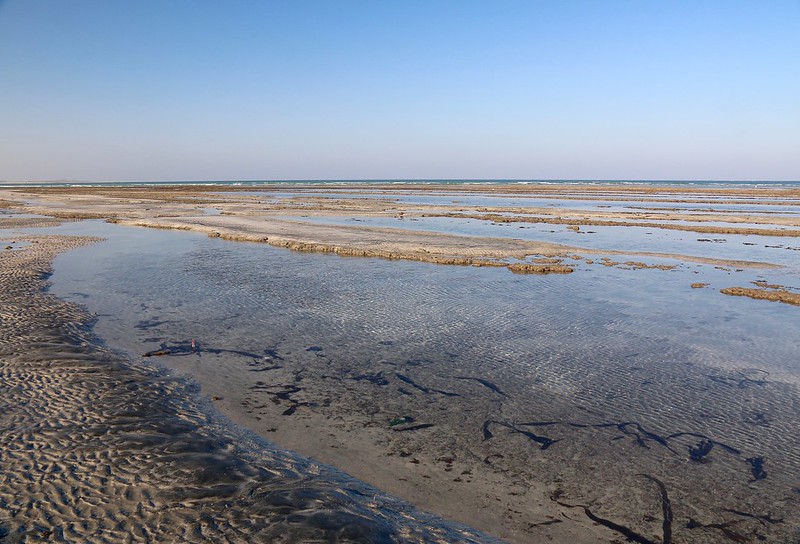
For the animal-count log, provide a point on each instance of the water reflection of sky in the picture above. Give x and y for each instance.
(211, 281)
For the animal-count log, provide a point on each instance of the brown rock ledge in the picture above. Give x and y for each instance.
(774, 295)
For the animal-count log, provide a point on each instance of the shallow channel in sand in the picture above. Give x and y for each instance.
(580, 383)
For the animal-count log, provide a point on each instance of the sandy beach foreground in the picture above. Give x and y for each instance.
(100, 448)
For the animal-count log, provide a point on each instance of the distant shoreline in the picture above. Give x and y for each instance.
(403, 181)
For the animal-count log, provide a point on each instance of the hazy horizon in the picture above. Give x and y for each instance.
(311, 90)
(391, 180)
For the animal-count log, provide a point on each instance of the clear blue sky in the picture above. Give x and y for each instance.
(338, 89)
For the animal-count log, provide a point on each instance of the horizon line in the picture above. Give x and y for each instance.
(395, 180)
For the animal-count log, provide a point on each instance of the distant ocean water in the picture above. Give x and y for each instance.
(257, 183)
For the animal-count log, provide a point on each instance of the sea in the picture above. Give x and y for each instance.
(420, 181)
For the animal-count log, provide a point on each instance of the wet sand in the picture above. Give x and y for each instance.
(97, 448)
(282, 221)
(502, 485)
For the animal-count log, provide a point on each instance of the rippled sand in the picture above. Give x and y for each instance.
(98, 449)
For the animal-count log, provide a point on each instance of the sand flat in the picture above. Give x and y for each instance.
(242, 216)
(101, 449)
(523, 466)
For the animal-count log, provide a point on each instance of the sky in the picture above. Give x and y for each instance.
(112, 90)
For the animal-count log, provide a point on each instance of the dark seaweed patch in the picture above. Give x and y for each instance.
(629, 428)
(544, 523)
(415, 427)
(729, 449)
(147, 324)
(764, 519)
(189, 347)
(666, 509)
(723, 527)
(487, 434)
(757, 467)
(285, 394)
(264, 368)
(543, 441)
(628, 533)
(485, 383)
(699, 452)
(375, 378)
(425, 390)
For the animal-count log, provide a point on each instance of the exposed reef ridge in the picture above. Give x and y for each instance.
(774, 295)
(574, 222)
